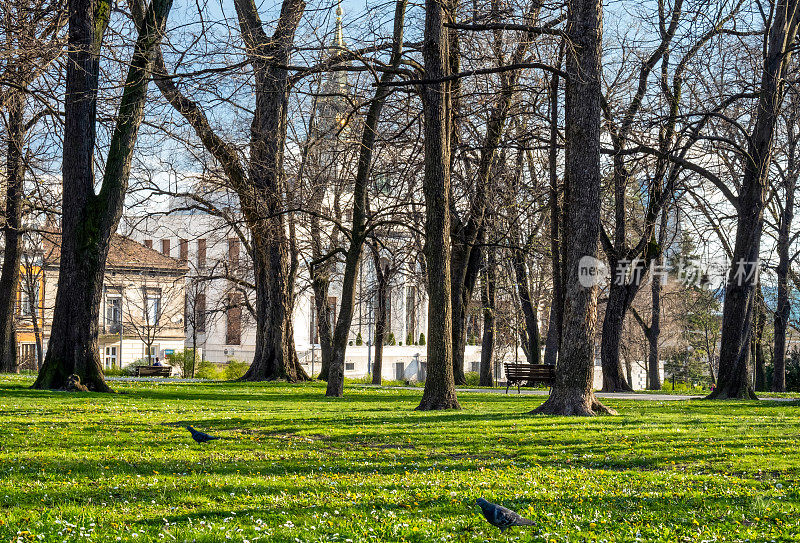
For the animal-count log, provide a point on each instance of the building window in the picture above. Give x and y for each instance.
(151, 353)
(200, 313)
(111, 357)
(233, 320)
(349, 366)
(183, 251)
(152, 307)
(148, 243)
(113, 313)
(29, 299)
(165, 247)
(201, 254)
(399, 371)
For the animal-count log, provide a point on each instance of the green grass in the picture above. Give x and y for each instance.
(294, 466)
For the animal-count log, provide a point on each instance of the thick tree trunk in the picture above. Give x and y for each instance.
(488, 280)
(572, 392)
(273, 358)
(737, 313)
(89, 219)
(619, 301)
(440, 392)
(654, 332)
(12, 253)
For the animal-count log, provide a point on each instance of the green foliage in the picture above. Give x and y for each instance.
(186, 361)
(473, 378)
(421, 339)
(359, 340)
(293, 465)
(473, 339)
(389, 339)
(235, 369)
(208, 370)
(409, 339)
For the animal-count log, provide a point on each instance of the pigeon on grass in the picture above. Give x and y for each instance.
(200, 437)
(500, 516)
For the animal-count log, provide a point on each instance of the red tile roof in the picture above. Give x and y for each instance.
(124, 253)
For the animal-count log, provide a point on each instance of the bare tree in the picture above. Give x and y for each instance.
(89, 218)
(572, 392)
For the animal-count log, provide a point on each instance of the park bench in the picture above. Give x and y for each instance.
(520, 374)
(153, 371)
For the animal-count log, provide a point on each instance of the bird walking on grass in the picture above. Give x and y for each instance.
(200, 437)
(500, 516)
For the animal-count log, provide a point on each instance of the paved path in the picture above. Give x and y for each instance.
(158, 380)
(610, 395)
(617, 395)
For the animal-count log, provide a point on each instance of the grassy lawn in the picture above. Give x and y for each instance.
(294, 466)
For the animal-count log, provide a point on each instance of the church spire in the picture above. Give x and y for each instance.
(339, 40)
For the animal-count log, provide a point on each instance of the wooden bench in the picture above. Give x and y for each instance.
(153, 371)
(523, 373)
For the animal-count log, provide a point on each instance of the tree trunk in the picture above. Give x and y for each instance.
(440, 392)
(488, 281)
(758, 345)
(273, 358)
(737, 313)
(619, 301)
(358, 232)
(12, 253)
(463, 281)
(320, 283)
(572, 392)
(380, 318)
(654, 333)
(557, 301)
(89, 219)
(783, 310)
(530, 336)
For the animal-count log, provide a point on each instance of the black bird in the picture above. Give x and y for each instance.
(500, 516)
(200, 437)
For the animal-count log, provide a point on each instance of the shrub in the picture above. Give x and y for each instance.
(389, 339)
(359, 340)
(235, 369)
(410, 339)
(473, 378)
(421, 339)
(208, 370)
(185, 360)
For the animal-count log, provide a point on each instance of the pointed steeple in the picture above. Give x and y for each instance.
(339, 39)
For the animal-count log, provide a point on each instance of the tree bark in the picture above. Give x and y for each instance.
(12, 253)
(381, 315)
(759, 319)
(557, 302)
(737, 313)
(654, 332)
(89, 219)
(530, 336)
(619, 300)
(783, 309)
(488, 280)
(572, 392)
(439, 392)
